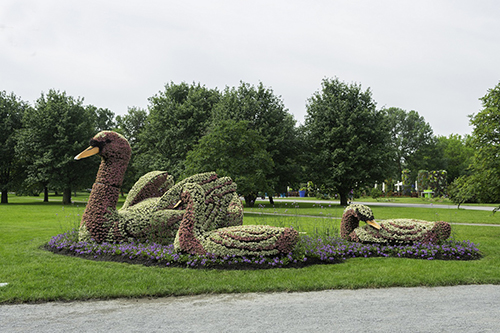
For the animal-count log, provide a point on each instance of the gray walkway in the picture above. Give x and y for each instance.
(380, 203)
(472, 308)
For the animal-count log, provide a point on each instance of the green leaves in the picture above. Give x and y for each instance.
(11, 113)
(232, 149)
(483, 184)
(347, 138)
(54, 130)
(178, 118)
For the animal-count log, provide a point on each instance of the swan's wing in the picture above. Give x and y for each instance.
(151, 185)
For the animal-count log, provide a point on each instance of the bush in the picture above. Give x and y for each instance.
(376, 193)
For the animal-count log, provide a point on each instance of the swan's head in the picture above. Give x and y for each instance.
(108, 144)
(353, 214)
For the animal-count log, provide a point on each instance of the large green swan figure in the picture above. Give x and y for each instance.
(201, 214)
(394, 231)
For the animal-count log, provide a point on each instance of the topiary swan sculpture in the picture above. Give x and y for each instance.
(395, 231)
(195, 212)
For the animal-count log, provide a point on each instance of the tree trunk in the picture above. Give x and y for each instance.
(45, 194)
(271, 200)
(250, 200)
(343, 199)
(5, 198)
(67, 196)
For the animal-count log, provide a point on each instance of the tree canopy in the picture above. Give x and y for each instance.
(233, 149)
(345, 143)
(348, 139)
(456, 154)
(11, 114)
(265, 114)
(131, 125)
(483, 182)
(53, 132)
(178, 118)
(410, 133)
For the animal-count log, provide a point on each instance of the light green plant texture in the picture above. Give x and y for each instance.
(225, 240)
(103, 134)
(363, 210)
(395, 234)
(143, 181)
(246, 240)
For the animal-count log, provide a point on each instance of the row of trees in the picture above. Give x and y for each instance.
(244, 132)
(38, 143)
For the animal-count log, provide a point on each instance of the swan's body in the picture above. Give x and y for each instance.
(395, 231)
(196, 212)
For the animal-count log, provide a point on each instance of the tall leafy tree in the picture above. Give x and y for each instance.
(233, 149)
(483, 183)
(11, 113)
(457, 155)
(132, 123)
(430, 156)
(178, 118)
(412, 140)
(131, 126)
(266, 114)
(348, 139)
(54, 131)
(104, 118)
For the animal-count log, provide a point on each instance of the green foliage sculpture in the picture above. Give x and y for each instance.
(394, 231)
(405, 179)
(437, 182)
(200, 214)
(423, 180)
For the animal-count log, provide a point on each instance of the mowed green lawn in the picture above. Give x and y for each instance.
(35, 275)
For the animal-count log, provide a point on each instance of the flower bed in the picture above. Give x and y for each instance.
(308, 251)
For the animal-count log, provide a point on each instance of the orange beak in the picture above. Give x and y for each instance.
(374, 224)
(87, 152)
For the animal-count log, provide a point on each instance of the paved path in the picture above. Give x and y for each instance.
(472, 308)
(389, 204)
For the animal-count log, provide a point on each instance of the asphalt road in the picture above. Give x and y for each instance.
(473, 308)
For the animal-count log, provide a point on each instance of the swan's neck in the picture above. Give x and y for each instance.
(104, 197)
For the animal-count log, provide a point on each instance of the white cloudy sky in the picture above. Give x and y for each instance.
(435, 57)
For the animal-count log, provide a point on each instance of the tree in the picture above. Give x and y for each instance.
(457, 155)
(11, 113)
(267, 115)
(428, 157)
(131, 126)
(54, 131)
(348, 139)
(485, 140)
(178, 118)
(483, 182)
(233, 149)
(104, 118)
(410, 133)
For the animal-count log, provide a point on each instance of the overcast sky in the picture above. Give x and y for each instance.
(435, 57)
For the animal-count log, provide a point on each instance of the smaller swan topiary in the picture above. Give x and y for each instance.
(394, 231)
(195, 236)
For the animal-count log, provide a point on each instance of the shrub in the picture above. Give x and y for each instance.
(376, 193)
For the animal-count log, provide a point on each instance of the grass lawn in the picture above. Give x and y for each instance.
(36, 275)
